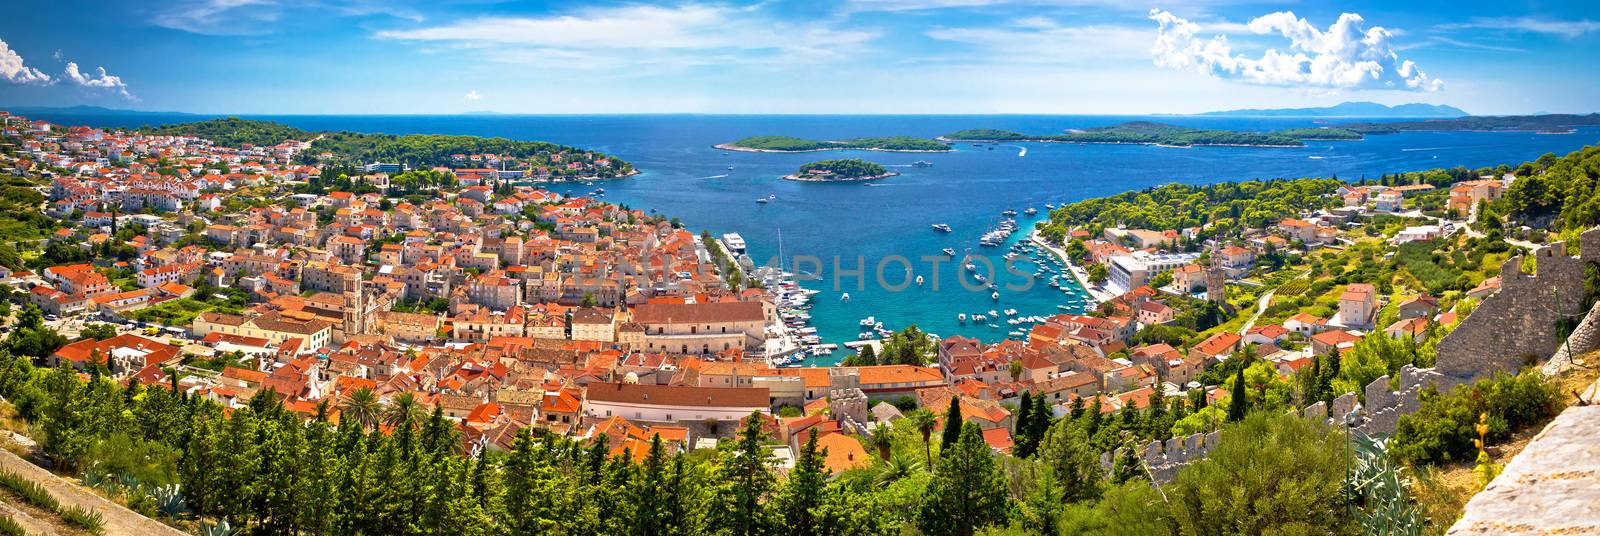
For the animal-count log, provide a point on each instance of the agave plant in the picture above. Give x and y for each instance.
(169, 500)
(219, 529)
(128, 482)
(1377, 491)
(94, 477)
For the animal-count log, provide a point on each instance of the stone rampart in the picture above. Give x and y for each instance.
(1519, 325)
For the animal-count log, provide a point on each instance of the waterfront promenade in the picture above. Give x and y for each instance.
(1096, 292)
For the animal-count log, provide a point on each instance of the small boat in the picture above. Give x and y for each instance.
(922, 163)
(868, 322)
(995, 296)
(941, 227)
(1031, 211)
(962, 318)
(844, 297)
(763, 200)
(919, 280)
(978, 277)
(730, 168)
(1008, 213)
(949, 252)
(1048, 206)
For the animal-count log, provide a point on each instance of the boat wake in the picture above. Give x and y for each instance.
(724, 175)
(1427, 149)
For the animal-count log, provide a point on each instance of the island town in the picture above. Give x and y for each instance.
(232, 273)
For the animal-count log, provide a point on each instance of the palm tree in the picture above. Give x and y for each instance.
(925, 422)
(892, 471)
(881, 440)
(403, 409)
(361, 407)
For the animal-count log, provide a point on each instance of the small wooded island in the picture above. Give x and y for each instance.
(1150, 133)
(847, 170)
(788, 144)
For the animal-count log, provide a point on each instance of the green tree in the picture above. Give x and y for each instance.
(968, 492)
(747, 475)
(361, 407)
(1271, 472)
(803, 494)
(1075, 464)
(1023, 448)
(952, 424)
(925, 423)
(1238, 400)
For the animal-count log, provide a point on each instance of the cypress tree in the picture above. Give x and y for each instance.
(952, 424)
(803, 493)
(1038, 422)
(749, 480)
(1237, 405)
(968, 492)
(1024, 411)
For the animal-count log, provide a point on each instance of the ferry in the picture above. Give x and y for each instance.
(941, 227)
(922, 163)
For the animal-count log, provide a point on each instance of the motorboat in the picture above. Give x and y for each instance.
(941, 227)
(844, 297)
(949, 252)
(962, 318)
(922, 163)
(1008, 213)
(995, 296)
(919, 280)
(868, 322)
(1030, 211)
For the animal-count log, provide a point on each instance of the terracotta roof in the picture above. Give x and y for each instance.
(672, 395)
(698, 313)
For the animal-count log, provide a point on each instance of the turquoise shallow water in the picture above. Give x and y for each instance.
(684, 176)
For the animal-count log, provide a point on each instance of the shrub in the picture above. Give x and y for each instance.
(1442, 430)
(85, 519)
(10, 527)
(1271, 473)
(30, 491)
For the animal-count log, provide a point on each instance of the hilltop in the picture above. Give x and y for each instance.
(1349, 109)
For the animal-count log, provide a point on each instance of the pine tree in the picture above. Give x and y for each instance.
(803, 493)
(968, 492)
(647, 490)
(952, 424)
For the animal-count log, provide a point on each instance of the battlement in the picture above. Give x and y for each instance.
(1519, 324)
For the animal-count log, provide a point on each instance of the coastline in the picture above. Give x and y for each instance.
(1157, 144)
(1097, 294)
(732, 147)
(798, 178)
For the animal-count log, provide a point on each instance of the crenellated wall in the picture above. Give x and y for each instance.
(1519, 324)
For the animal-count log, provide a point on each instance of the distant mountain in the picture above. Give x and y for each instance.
(80, 110)
(1350, 109)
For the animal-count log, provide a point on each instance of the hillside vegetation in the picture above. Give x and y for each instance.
(789, 143)
(1147, 132)
(417, 150)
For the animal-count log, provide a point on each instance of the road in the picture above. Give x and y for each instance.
(1263, 303)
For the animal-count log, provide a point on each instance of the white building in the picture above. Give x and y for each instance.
(671, 403)
(1134, 270)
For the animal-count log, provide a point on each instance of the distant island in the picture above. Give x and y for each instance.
(1550, 124)
(788, 144)
(1149, 133)
(847, 170)
(1349, 109)
(540, 160)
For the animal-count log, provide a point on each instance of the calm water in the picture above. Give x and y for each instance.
(684, 176)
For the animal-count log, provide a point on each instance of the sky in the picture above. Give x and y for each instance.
(797, 57)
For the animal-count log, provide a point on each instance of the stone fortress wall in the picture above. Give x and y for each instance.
(1514, 327)
(1518, 325)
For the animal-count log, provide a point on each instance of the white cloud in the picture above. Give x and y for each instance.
(1565, 28)
(1348, 55)
(473, 95)
(1042, 40)
(256, 17)
(13, 70)
(100, 81)
(641, 34)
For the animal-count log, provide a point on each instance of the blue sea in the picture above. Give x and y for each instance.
(860, 224)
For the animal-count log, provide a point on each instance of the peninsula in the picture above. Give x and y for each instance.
(502, 157)
(848, 170)
(788, 144)
(1151, 133)
(1548, 123)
